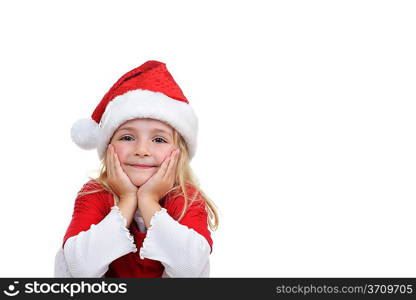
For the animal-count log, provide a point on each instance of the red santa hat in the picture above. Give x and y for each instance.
(148, 91)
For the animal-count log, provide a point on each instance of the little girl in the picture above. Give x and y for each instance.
(144, 216)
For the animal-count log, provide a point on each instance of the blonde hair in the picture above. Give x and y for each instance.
(184, 175)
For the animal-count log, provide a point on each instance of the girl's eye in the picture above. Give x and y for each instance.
(160, 139)
(126, 136)
(129, 138)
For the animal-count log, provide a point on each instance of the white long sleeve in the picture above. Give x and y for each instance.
(61, 267)
(182, 251)
(83, 254)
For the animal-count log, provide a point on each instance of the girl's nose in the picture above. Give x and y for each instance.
(142, 149)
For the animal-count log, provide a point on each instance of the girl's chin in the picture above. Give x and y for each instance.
(139, 180)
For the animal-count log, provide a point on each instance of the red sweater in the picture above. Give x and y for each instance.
(91, 209)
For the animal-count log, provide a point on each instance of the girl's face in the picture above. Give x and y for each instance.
(142, 142)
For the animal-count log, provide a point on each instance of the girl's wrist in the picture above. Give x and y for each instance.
(128, 197)
(147, 198)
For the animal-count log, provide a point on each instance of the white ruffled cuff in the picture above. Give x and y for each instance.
(182, 251)
(89, 253)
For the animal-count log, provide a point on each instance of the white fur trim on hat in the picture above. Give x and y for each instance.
(148, 104)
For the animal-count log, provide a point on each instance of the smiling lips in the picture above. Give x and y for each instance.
(141, 166)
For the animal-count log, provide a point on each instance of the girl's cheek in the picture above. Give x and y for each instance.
(161, 159)
(120, 153)
(166, 156)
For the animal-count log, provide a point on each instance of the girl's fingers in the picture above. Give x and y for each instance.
(117, 165)
(172, 164)
(176, 161)
(110, 162)
(164, 166)
(107, 161)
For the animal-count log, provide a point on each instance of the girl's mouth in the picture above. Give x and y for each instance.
(141, 166)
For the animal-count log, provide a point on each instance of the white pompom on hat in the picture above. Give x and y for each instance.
(148, 91)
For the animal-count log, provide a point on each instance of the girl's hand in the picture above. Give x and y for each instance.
(117, 179)
(162, 181)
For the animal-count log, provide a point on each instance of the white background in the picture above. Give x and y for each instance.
(307, 125)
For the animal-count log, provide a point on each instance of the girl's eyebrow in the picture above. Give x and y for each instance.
(154, 130)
